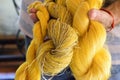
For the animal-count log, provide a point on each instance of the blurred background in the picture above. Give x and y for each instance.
(12, 52)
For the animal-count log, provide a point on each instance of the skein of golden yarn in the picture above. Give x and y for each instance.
(30, 67)
(73, 40)
(91, 61)
(47, 57)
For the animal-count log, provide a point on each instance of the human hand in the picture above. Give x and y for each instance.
(101, 16)
(32, 14)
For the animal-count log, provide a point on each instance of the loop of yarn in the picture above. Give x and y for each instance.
(64, 36)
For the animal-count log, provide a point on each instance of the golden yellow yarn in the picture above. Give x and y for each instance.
(72, 40)
(31, 65)
(85, 65)
(72, 5)
(60, 12)
(52, 56)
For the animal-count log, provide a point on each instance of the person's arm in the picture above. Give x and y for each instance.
(115, 10)
(104, 17)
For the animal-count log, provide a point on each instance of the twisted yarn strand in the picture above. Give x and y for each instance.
(90, 58)
(31, 67)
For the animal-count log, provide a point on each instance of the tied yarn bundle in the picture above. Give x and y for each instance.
(72, 40)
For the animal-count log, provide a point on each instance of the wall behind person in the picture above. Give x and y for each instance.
(8, 18)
